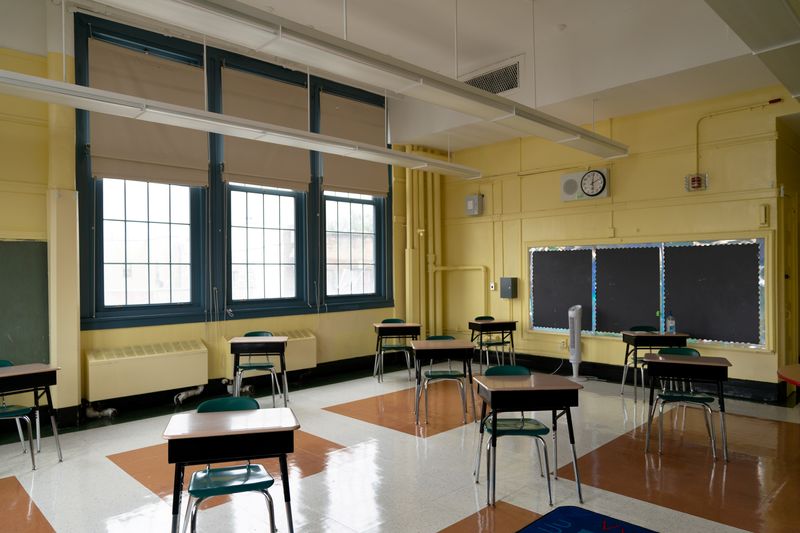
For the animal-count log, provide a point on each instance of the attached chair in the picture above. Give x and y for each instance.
(431, 376)
(264, 366)
(394, 344)
(629, 361)
(522, 426)
(492, 342)
(18, 412)
(681, 391)
(229, 479)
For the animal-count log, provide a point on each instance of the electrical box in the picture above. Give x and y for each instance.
(474, 205)
(508, 287)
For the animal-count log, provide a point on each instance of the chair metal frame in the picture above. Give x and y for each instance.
(266, 366)
(377, 370)
(629, 363)
(431, 376)
(493, 342)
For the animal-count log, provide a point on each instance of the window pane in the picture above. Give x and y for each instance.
(136, 249)
(238, 245)
(287, 246)
(369, 279)
(287, 281)
(272, 248)
(273, 284)
(356, 218)
(287, 212)
(357, 280)
(344, 216)
(344, 279)
(271, 211)
(344, 247)
(113, 242)
(332, 280)
(255, 210)
(159, 202)
(114, 284)
(181, 244)
(369, 219)
(159, 284)
(357, 248)
(255, 245)
(137, 289)
(332, 247)
(181, 283)
(159, 244)
(113, 199)
(238, 208)
(239, 282)
(135, 200)
(331, 216)
(179, 204)
(255, 281)
(369, 249)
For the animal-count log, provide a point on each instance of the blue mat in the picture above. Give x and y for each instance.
(570, 519)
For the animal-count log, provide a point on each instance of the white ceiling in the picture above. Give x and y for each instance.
(581, 58)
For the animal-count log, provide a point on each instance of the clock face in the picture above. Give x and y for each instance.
(593, 183)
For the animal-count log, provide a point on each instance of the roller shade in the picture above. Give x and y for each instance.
(263, 99)
(357, 121)
(131, 149)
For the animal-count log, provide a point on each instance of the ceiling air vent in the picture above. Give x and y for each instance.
(497, 78)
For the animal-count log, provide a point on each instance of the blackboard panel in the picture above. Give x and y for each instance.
(712, 291)
(628, 288)
(559, 280)
(24, 331)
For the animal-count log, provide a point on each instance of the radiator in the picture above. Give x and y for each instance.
(301, 352)
(117, 372)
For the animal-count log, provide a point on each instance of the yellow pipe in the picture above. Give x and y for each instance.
(436, 288)
(430, 257)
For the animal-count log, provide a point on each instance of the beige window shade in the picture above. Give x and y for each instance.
(131, 149)
(357, 121)
(259, 98)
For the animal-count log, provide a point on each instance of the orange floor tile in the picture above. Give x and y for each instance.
(501, 518)
(756, 490)
(18, 513)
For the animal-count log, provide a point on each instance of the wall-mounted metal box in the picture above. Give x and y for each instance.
(508, 287)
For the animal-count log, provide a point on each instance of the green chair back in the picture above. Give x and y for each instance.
(644, 328)
(507, 370)
(393, 321)
(688, 352)
(484, 317)
(228, 403)
(258, 334)
(440, 338)
(5, 362)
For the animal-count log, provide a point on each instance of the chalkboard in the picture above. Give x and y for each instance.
(713, 291)
(628, 288)
(559, 280)
(24, 325)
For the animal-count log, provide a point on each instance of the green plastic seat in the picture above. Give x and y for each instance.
(18, 412)
(228, 480)
(681, 391)
(391, 345)
(430, 376)
(253, 366)
(521, 426)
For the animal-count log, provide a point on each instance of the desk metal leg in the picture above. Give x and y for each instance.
(649, 414)
(574, 455)
(417, 386)
(721, 397)
(286, 496)
(468, 370)
(53, 424)
(177, 491)
(555, 445)
(492, 455)
(635, 366)
(285, 383)
(625, 369)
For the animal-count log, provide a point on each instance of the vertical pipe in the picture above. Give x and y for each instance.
(430, 256)
(437, 249)
(419, 207)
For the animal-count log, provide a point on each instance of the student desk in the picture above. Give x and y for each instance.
(646, 339)
(261, 346)
(203, 438)
(696, 369)
(505, 328)
(536, 392)
(438, 350)
(391, 330)
(31, 378)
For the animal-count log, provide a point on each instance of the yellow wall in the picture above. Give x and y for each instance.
(647, 203)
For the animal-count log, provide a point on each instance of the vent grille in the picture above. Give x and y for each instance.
(497, 81)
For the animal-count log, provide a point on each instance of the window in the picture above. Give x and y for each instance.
(146, 243)
(350, 237)
(263, 243)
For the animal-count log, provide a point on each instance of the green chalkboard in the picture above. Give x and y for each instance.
(24, 325)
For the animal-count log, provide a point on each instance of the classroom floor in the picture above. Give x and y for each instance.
(361, 464)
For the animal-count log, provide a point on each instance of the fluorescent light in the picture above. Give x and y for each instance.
(239, 23)
(110, 103)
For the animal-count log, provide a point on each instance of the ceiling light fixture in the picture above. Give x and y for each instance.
(254, 29)
(111, 103)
